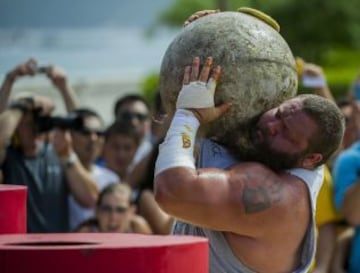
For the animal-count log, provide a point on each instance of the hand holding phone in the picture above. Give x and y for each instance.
(316, 81)
(42, 69)
(311, 75)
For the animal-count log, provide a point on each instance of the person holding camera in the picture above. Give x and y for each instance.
(88, 141)
(50, 170)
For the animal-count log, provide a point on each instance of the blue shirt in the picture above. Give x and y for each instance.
(346, 172)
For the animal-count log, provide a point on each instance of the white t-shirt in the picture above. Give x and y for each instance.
(143, 150)
(77, 213)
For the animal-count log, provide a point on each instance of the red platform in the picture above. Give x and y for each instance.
(12, 209)
(102, 253)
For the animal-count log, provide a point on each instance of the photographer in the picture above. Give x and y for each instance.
(88, 140)
(50, 170)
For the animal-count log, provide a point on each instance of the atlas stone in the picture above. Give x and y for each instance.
(258, 67)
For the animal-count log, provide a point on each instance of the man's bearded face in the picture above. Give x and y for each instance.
(260, 149)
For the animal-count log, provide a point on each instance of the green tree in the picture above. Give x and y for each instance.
(311, 28)
(150, 86)
(326, 32)
(182, 9)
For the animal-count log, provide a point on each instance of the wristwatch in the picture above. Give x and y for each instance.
(68, 162)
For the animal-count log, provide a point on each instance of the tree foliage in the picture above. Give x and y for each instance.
(326, 32)
(311, 28)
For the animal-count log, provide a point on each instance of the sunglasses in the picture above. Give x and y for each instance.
(109, 209)
(133, 115)
(88, 132)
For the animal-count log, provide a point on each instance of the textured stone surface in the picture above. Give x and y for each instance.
(258, 68)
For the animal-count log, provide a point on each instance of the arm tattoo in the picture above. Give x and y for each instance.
(260, 196)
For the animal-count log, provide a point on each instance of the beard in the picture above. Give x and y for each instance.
(275, 160)
(244, 146)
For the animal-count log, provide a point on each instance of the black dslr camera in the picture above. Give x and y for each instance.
(47, 123)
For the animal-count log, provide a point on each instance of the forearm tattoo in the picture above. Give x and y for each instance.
(261, 195)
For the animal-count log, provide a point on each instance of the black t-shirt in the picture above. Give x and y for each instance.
(47, 206)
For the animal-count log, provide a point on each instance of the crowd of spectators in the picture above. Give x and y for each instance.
(87, 176)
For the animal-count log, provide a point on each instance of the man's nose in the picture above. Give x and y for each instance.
(94, 136)
(134, 122)
(273, 127)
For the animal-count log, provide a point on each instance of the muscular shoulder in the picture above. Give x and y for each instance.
(264, 189)
(258, 175)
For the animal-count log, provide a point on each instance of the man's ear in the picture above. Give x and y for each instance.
(311, 160)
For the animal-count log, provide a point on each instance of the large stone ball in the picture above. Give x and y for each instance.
(258, 68)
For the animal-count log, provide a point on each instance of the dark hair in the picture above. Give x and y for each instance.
(330, 121)
(114, 187)
(129, 99)
(85, 112)
(119, 127)
(343, 102)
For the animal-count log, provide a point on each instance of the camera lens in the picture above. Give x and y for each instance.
(47, 123)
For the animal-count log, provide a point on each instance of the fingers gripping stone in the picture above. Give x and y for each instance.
(197, 95)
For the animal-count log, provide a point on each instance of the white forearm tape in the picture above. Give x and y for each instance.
(197, 95)
(177, 150)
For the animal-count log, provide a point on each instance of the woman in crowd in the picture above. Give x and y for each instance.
(115, 213)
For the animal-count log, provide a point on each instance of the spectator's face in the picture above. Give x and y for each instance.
(119, 151)
(351, 131)
(115, 212)
(29, 141)
(137, 114)
(88, 142)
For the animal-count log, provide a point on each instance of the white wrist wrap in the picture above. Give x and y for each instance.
(197, 95)
(177, 150)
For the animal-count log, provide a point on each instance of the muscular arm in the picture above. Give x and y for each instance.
(242, 200)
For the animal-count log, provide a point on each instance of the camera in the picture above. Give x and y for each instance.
(39, 69)
(42, 69)
(47, 123)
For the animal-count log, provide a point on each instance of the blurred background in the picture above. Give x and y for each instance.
(109, 48)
